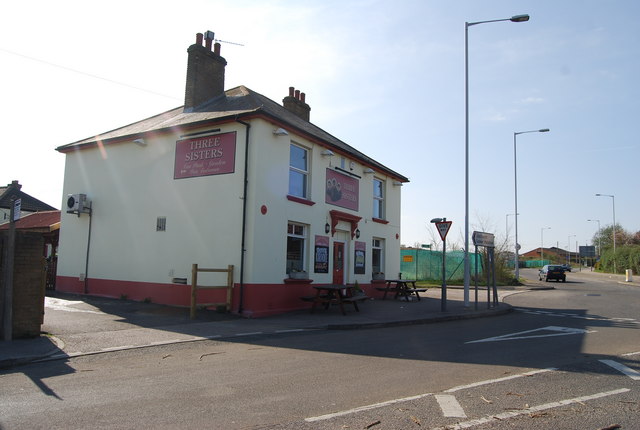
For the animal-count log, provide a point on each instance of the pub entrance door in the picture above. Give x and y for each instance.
(338, 262)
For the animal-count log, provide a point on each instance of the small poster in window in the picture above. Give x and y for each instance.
(359, 258)
(321, 255)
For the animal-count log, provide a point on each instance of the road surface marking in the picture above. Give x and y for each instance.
(577, 316)
(556, 331)
(292, 330)
(631, 353)
(450, 406)
(492, 381)
(631, 373)
(533, 409)
(366, 408)
(420, 396)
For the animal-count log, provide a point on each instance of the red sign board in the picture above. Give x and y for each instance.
(205, 156)
(342, 190)
(443, 228)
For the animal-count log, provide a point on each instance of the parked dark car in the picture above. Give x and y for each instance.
(566, 267)
(551, 271)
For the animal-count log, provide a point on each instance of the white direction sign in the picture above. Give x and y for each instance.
(17, 207)
(483, 239)
(549, 331)
(443, 228)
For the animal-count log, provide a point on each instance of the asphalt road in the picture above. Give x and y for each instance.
(567, 358)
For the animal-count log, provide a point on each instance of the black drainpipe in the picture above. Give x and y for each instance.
(244, 212)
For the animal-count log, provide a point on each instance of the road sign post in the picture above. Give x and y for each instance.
(443, 227)
(486, 240)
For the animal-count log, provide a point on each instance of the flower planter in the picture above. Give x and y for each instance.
(298, 275)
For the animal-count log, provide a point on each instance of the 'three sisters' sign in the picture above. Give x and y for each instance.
(205, 156)
(342, 190)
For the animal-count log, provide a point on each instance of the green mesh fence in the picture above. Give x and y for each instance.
(534, 263)
(528, 263)
(423, 264)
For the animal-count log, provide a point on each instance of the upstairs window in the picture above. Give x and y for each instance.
(298, 172)
(378, 198)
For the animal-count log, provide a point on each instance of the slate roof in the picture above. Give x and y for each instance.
(28, 204)
(236, 103)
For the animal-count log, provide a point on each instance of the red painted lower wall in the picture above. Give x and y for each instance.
(259, 300)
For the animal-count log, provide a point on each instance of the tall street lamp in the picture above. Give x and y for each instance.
(542, 242)
(515, 18)
(599, 244)
(569, 248)
(506, 226)
(515, 175)
(613, 201)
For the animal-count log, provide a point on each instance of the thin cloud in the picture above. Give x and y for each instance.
(532, 100)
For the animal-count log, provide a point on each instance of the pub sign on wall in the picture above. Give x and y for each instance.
(205, 156)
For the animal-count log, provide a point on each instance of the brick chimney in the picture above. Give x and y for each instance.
(205, 72)
(295, 103)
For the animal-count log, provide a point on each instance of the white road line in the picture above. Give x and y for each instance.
(366, 408)
(513, 414)
(556, 331)
(577, 316)
(450, 406)
(506, 378)
(420, 396)
(631, 353)
(631, 373)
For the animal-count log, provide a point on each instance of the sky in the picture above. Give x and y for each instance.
(388, 78)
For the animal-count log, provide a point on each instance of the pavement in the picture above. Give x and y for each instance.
(76, 325)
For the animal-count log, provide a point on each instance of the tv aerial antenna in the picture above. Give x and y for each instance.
(211, 35)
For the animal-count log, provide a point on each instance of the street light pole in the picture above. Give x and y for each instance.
(569, 247)
(515, 175)
(613, 201)
(506, 232)
(599, 243)
(515, 18)
(542, 243)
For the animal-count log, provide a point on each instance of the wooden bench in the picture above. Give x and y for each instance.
(405, 292)
(326, 299)
(416, 291)
(313, 298)
(355, 299)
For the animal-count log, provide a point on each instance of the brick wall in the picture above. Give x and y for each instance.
(28, 284)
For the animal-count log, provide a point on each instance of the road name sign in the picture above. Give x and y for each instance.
(483, 239)
(443, 228)
(17, 207)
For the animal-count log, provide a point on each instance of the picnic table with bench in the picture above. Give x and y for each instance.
(402, 288)
(335, 293)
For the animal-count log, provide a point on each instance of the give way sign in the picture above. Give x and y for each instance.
(443, 228)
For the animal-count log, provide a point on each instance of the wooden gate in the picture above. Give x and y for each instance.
(195, 287)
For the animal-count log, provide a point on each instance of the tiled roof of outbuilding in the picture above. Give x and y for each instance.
(41, 221)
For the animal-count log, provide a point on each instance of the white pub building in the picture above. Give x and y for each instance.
(231, 178)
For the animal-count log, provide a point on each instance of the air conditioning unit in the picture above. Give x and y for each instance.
(76, 203)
